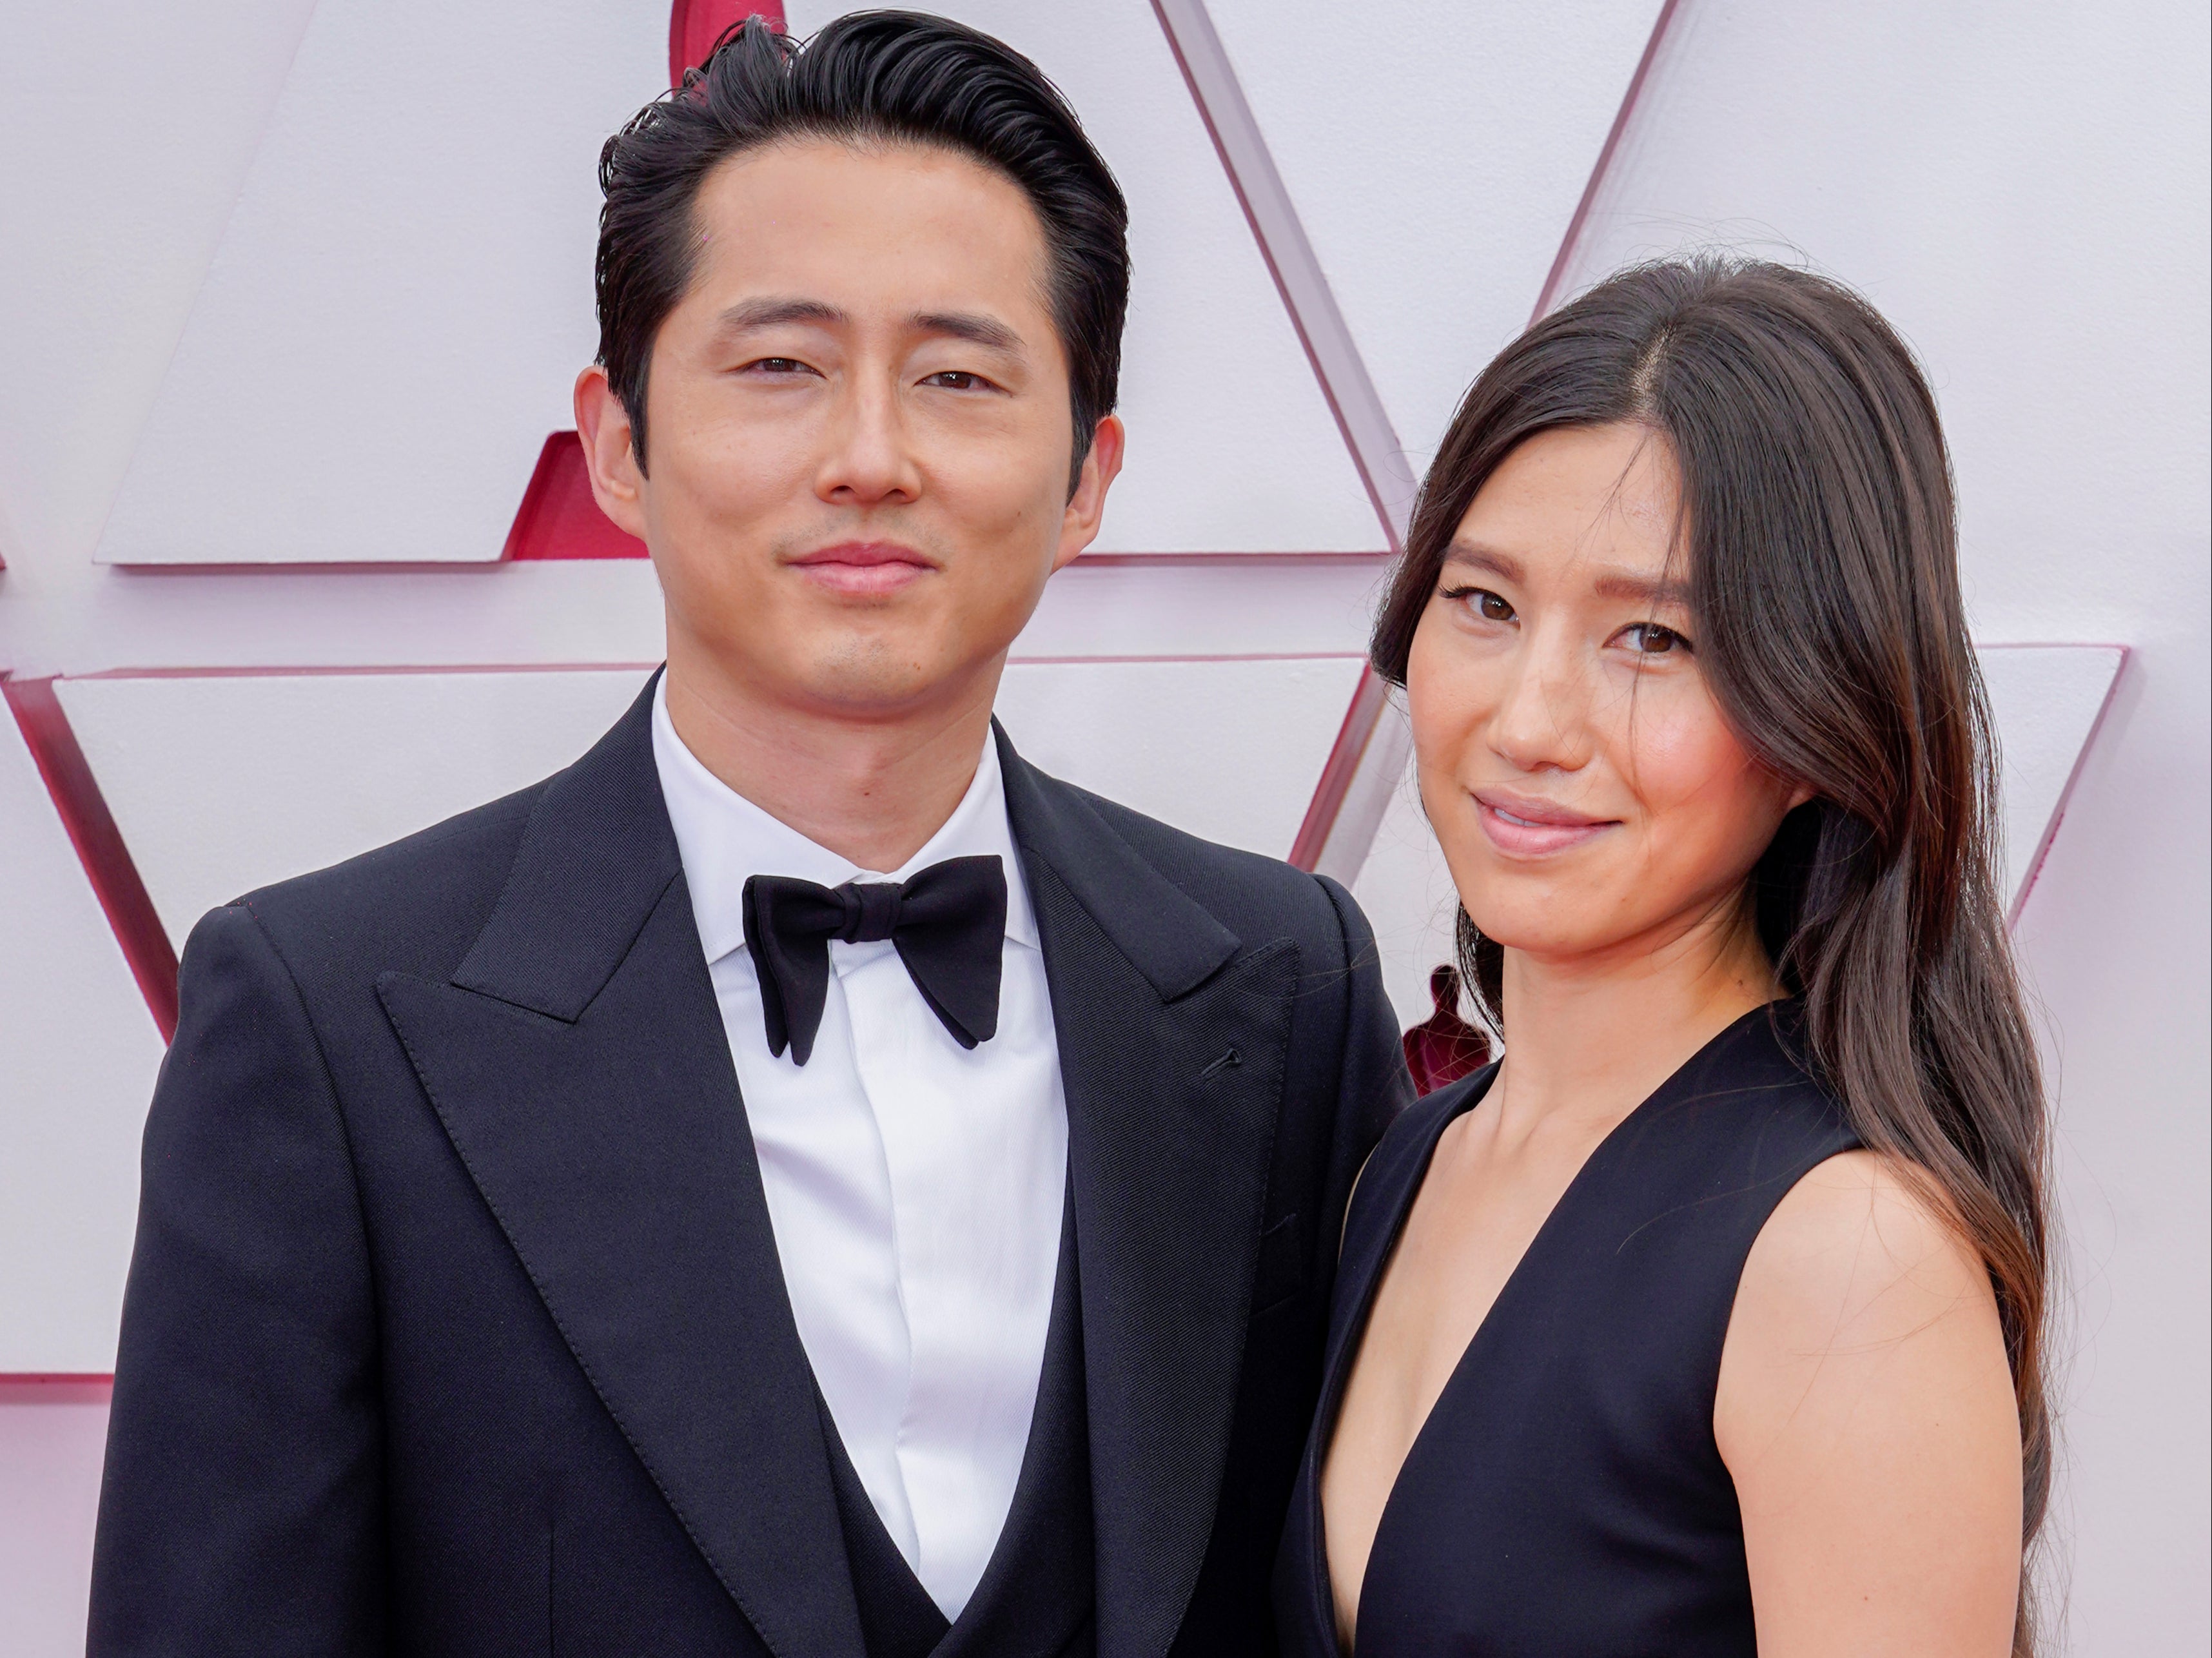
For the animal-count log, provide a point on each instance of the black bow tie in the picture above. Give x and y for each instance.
(948, 924)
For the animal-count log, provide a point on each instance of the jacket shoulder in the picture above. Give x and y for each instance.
(1254, 895)
(416, 902)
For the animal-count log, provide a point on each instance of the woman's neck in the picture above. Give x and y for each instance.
(1589, 1038)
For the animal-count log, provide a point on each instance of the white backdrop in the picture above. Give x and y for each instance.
(276, 375)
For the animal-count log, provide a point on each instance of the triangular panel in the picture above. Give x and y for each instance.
(1232, 448)
(128, 135)
(404, 294)
(1435, 155)
(1229, 749)
(224, 782)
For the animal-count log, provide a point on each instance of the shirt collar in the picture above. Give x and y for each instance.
(723, 838)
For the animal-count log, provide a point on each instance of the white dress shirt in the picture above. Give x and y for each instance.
(915, 1186)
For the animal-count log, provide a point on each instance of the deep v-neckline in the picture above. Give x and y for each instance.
(1347, 1356)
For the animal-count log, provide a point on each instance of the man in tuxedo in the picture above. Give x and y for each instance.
(799, 1180)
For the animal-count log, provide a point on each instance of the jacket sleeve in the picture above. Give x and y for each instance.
(1375, 1086)
(242, 1508)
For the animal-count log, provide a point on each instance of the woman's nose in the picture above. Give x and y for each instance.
(1542, 718)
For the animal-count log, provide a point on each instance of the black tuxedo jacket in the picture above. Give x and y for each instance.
(455, 1323)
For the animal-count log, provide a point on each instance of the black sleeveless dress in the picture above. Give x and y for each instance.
(1565, 1496)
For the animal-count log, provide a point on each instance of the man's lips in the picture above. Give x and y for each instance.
(864, 569)
(1522, 826)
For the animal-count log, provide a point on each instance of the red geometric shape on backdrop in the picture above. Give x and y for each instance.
(558, 518)
(694, 25)
(107, 863)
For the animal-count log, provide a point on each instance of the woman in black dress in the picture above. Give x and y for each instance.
(1707, 1321)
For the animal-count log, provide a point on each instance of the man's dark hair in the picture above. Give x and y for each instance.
(872, 77)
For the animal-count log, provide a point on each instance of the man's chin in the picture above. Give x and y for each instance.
(866, 674)
(873, 685)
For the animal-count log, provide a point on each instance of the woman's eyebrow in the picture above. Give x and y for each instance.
(1641, 590)
(1478, 557)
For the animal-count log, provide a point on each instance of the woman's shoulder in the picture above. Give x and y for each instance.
(1848, 1221)
(1861, 1242)
(1860, 1296)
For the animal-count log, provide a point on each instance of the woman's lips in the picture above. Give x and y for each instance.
(863, 569)
(1529, 829)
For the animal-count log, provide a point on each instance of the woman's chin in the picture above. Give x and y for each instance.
(1542, 910)
(1551, 938)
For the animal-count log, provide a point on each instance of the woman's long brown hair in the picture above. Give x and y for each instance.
(1821, 539)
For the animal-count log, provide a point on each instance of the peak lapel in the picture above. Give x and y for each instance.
(1169, 1144)
(578, 1063)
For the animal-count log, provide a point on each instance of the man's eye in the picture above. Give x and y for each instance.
(1649, 638)
(956, 380)
(777, 366)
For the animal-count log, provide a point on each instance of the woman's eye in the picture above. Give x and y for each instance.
(1649, 638)
(1489, 606)
(1484, 602)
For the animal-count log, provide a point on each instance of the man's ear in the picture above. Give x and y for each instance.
(1086, 507)
(608, 456)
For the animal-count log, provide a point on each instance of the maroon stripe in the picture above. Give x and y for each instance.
(99, 848)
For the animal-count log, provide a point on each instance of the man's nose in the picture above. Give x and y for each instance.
(869, 460)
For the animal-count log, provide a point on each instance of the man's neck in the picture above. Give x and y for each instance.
(872, 790)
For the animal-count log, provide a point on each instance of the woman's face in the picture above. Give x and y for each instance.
(1590, 797)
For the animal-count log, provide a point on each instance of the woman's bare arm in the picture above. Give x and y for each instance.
(1865, 1411)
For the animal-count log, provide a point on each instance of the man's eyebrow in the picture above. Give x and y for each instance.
(768, 313)
(969, 325)
(774, 311)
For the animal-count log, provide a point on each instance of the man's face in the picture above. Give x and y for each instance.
(858, 432)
